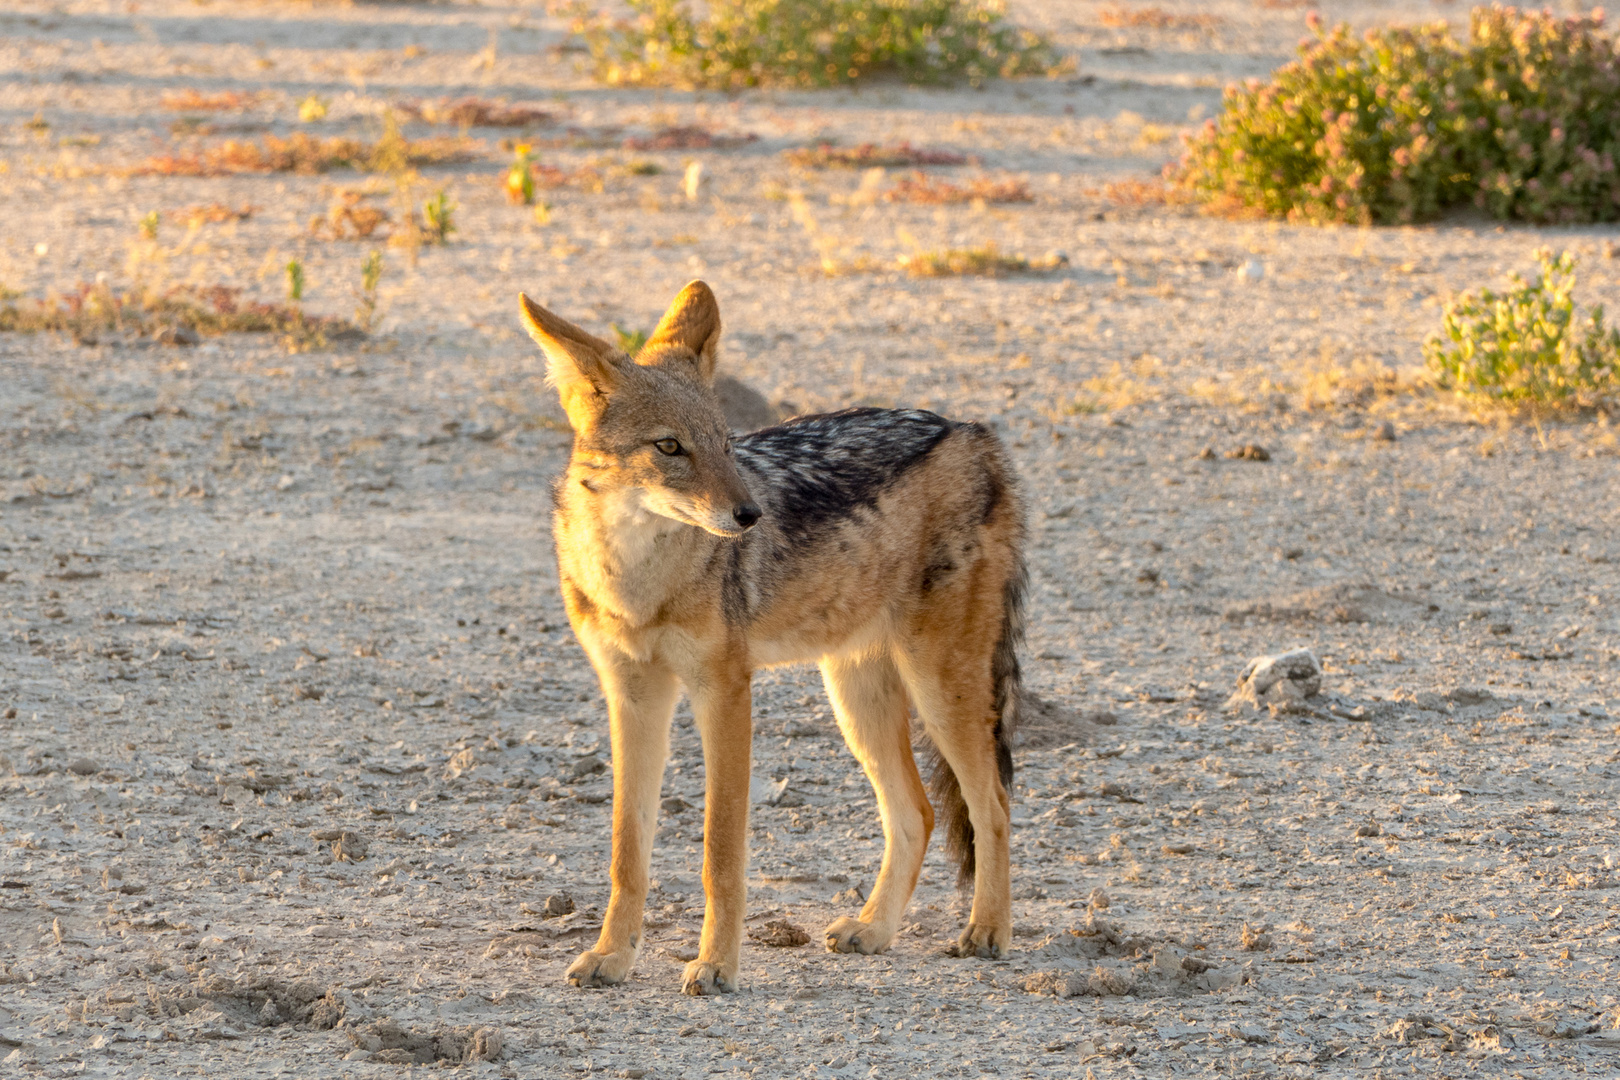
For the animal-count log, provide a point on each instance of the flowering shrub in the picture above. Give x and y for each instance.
(1404, 122)
(1546, 116)
(810, 42)
(1527, 345)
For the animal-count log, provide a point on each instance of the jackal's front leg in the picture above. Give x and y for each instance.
(641, 701)
(720, 703)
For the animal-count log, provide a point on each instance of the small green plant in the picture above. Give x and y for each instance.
(149, 225)
(1527, 346)
(806, 43)
(313, 108)
(438, 217)
(295, 281)
(628, 341)
(371, 272)
(520, 177)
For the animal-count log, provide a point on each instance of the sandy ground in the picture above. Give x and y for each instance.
(299, 759)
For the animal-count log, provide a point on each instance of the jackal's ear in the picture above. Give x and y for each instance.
(691, 325)
(584, 369)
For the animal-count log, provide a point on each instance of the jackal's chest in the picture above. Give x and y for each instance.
(629, 574)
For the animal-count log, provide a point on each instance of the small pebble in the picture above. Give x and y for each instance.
(84, 767)
(588, 765)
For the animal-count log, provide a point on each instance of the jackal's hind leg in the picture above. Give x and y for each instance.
(954, 699)
(870, 703)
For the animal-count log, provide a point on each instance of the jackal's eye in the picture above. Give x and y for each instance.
(668, 446)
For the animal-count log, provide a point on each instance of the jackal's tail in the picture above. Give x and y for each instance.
(1008, 687)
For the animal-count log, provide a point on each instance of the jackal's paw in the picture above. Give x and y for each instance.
(601, 969)
(705, 977)
(984, 941)
(848, 935)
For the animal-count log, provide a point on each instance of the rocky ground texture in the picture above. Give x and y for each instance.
(302, 773)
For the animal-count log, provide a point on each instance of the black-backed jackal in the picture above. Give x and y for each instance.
(883, 544)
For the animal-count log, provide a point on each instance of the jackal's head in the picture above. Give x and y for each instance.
(651, 426)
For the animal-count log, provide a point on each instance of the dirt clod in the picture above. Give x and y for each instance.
(347, 845)
(392, 1044)
(780, 934)
(253, 1003)
(1256, 938)
(1284, 680)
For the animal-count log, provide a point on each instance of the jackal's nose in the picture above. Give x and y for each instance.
(745, 514)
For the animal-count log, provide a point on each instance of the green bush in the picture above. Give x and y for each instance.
(1546, 117)
(806, 43)
(1398, 125)
(1527, 345)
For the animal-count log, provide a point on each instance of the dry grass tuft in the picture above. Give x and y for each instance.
(688, 137)
(471, 112)
(1143, 382)
(1138, 192)
(349, 217)
(585, 178)
(1156, 18)
(301, 154)
(212, 214)
(920, 188)
(1319, 382)
(869, 156)
(982, 262)
(1328, 385)
(193, 100)
(92, 310)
